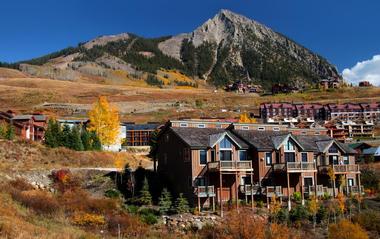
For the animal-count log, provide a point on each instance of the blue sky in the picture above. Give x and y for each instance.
(343, 31)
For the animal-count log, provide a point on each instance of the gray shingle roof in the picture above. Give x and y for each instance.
(205, 137)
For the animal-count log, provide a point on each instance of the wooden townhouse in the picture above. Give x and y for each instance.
(216, 165)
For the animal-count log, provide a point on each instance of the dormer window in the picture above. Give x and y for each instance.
(333, 149)
(225, 144)
(289, 146)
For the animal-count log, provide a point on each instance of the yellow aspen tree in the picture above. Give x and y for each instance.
(244, 118)
(104, 120)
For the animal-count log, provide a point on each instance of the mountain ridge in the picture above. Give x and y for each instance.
(224, 49)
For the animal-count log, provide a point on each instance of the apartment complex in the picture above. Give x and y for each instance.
(212, 165)
(287, 112)
(27, 126)
(139, 135)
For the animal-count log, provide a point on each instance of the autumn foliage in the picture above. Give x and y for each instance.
(104, 120)
(346, 230)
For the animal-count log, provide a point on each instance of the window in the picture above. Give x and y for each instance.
(350, 182)
(200, 181)
(317, 133)
(304, 157)
(333, 149)
(276, 129)
(201, 126)
(183, 125)
(308, 181)
(303, 133)
(243, 155)
(225, 144)
(289, 146)
(261, 128)
(268, 159)
(225, 155)
(245, 128)
(333, 159)
(290, 157)
(212, 155)
(346, 160)
(202, 157)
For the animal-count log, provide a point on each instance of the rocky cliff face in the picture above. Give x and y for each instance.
(226, 48)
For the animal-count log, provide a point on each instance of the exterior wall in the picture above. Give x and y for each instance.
(138, 137)
(200, 124)
(172, 166)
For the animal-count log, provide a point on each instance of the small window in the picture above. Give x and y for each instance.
(350, 182)
(183, 125)
(276, 129)
(261, 128)
(245, 128)
(304, 157)
(268, 159)
(317, 133)
(303, 133)
(201, 126)
(243, 155)
(202, 157)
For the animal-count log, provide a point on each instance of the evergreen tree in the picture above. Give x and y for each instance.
(145, 196)
(165, 201)
(181, 205)
(10, 133)
(52, 134)
(95, 142)
(76, 141)
(3, 130)
(66, 137)
(86, 140)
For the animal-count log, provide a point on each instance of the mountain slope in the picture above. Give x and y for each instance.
(224, 49)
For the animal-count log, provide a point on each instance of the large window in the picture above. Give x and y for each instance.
(243, 155)
(289, 146)
(304, 157)
(225, 144)
(268, 159)
(203, 157)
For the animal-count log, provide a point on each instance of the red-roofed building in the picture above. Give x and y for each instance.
(371, 112)
(278, 112)
(347, 111)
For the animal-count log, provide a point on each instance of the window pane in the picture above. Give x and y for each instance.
(225, 144)
(268, 158)
(290, 157)
(203, 156)
(304, 157)
(225, 155)
(243, 155)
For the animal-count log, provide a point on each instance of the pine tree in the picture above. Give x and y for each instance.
(145, 196)
(10, 133)
(66, 137)
(52, 134)
(86, 140)
(181, 205)
(95, 142)
(165, 201)
(75, 139)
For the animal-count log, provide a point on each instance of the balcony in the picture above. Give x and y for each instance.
(346, 168)
(205, 191)
(249, 189)
(271, 191)
(354, 190)
(230, 166)
(297, 167)
(278, 167)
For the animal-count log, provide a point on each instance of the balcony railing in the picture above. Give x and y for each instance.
(278, 166)
(248, 189)
(310, 190)
(230, 166)
(346, 168)
(353, 190)
(205, 191)
(301, 166)
(271, 191)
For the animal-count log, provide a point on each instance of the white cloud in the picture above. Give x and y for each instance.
(364, 71)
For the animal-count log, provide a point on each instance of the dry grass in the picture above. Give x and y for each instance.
(23, 156)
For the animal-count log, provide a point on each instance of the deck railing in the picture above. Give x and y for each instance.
(205, 191)
(353, 190)
(271, 191)
(230, 166)
(345, 168)
(310, 190)
(248, 189)
(301, 166)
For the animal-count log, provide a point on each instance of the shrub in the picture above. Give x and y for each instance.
(20, 184)
(39, 201)
(259, 204)
(321, 214)
(370, 220)
(298, 213)
(88, 219)
(297, 196)
(112, 193)
(277, 231)
(130, 226)
(282, 215)
(154, 81)
(346, 230)
(370, 179)
(149, 219)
